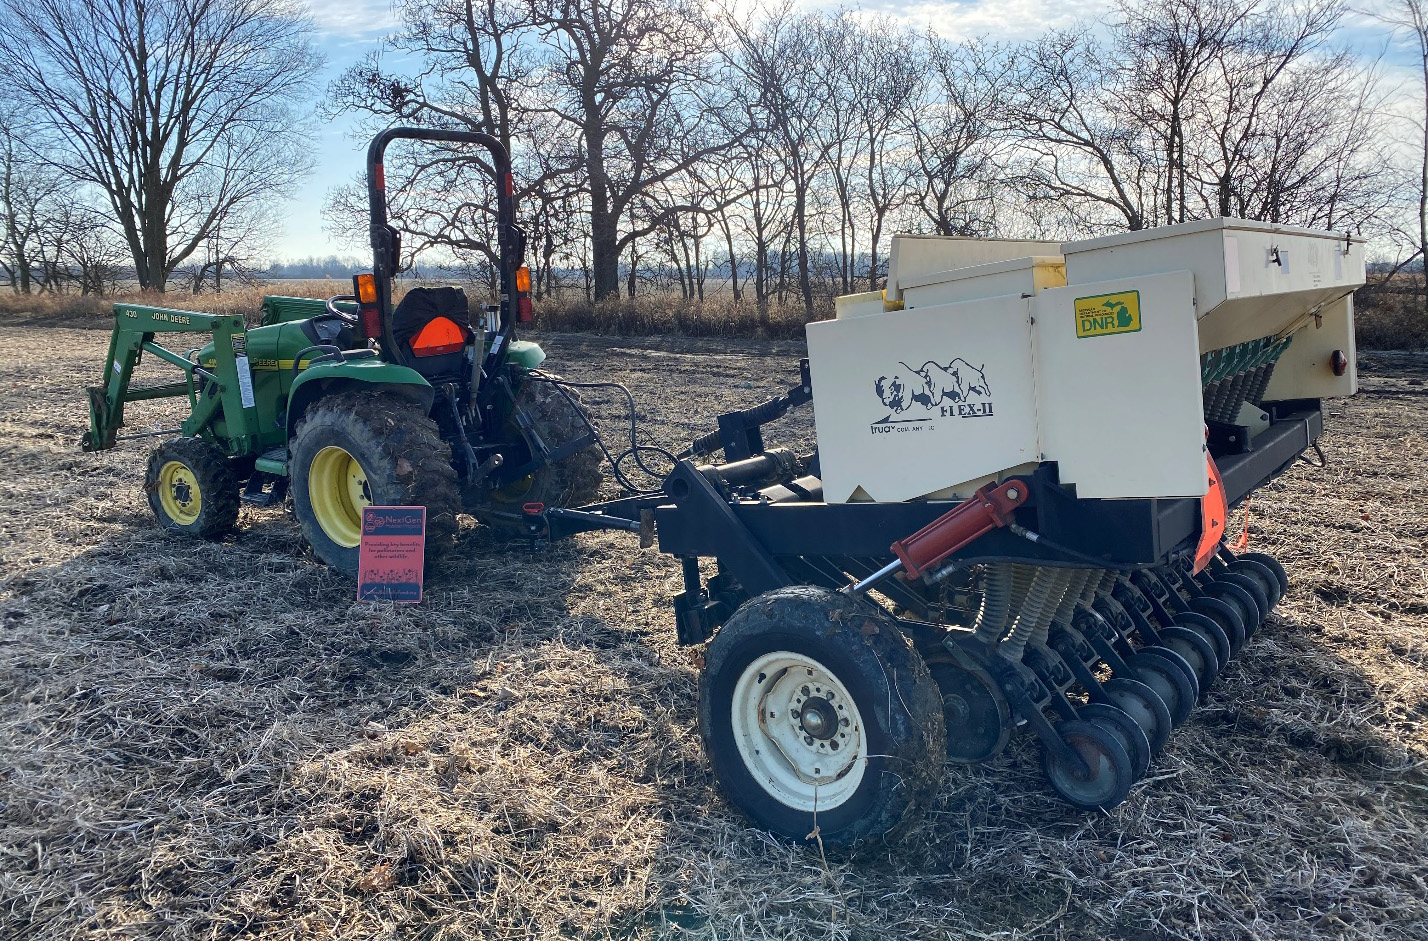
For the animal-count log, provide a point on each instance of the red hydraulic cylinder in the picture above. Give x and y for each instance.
(989, 508)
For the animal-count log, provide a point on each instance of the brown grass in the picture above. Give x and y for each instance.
(86, 310)
(719, 316)
(1384, 321)
(1392, 321)
(215, 741)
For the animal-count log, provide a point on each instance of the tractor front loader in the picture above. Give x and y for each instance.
(355, 401)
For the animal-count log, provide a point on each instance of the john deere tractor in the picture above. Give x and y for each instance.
(351, 401)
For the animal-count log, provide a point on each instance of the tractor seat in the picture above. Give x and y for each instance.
(432, 327)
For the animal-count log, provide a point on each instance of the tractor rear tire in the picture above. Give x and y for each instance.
(572, 481)
(192, 488)
(820, 719)
(369, 448)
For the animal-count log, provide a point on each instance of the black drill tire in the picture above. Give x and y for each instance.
(401, 451)
(887, 680)
(1271, 563)
(573, 481)
(217, 485)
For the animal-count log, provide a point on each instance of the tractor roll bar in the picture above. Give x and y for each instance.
(386, 240)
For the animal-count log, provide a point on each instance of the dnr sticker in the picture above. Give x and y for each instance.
(1107, 314)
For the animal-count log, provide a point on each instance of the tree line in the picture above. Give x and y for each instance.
(776, 152)
(767, 152)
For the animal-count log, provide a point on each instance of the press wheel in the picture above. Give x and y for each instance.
(1198, 651)
(1236, 597)
(1126, 730)
(1106, 779)
(1171, 679)
(1271, 563)
(1267, 580)
(1142, 704)
(1224, 615)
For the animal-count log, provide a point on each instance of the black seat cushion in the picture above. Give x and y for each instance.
(419, 307)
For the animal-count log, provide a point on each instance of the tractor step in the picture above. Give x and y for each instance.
(274, 461)
(265, 488)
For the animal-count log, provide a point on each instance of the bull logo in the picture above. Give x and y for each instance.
(932, 386)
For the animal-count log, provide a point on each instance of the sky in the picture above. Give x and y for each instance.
(350, 29)
(347, 31)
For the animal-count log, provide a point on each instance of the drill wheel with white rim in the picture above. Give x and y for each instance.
(818, 714)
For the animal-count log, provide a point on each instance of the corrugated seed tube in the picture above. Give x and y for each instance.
(996, 602)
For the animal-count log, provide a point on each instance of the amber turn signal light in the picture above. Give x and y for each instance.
(367, 288)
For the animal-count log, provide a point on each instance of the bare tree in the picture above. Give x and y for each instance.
(230, 251)
(178, 111)
(761, 217)
(959, 146)
(1077, 122)
(788, 145)
(475, 61)
(32, 195)
(1167, 50)
(1197, 108)
(841, 79)
(94, 254)
(778, 58)
(627, 79)
(601, 101)
(1257, 103)
(890, 74)
(1409, 18)
(1304, 148)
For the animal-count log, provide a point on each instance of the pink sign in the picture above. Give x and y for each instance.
(392, 558)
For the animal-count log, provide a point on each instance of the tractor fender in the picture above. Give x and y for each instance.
(323, 379)
(524, 353)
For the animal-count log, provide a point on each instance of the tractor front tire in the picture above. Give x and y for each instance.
(573, 481)
(369, 448)
(192, 488)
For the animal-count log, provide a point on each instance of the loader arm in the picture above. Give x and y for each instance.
(223, 393)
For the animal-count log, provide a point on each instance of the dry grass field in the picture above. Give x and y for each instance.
(656, 313)
(215, 741)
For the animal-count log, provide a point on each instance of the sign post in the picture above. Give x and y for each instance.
(391, 560)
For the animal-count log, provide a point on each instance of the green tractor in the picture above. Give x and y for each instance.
(353, 401)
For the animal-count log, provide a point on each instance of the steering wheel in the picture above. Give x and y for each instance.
(333, 311)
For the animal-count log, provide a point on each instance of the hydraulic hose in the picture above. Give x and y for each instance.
(632, 452)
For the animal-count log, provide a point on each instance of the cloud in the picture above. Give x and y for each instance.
(997, 19)
(352, 19)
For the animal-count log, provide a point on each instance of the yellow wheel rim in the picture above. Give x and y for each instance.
(515, 490)
(337, 489)
(179, 494)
